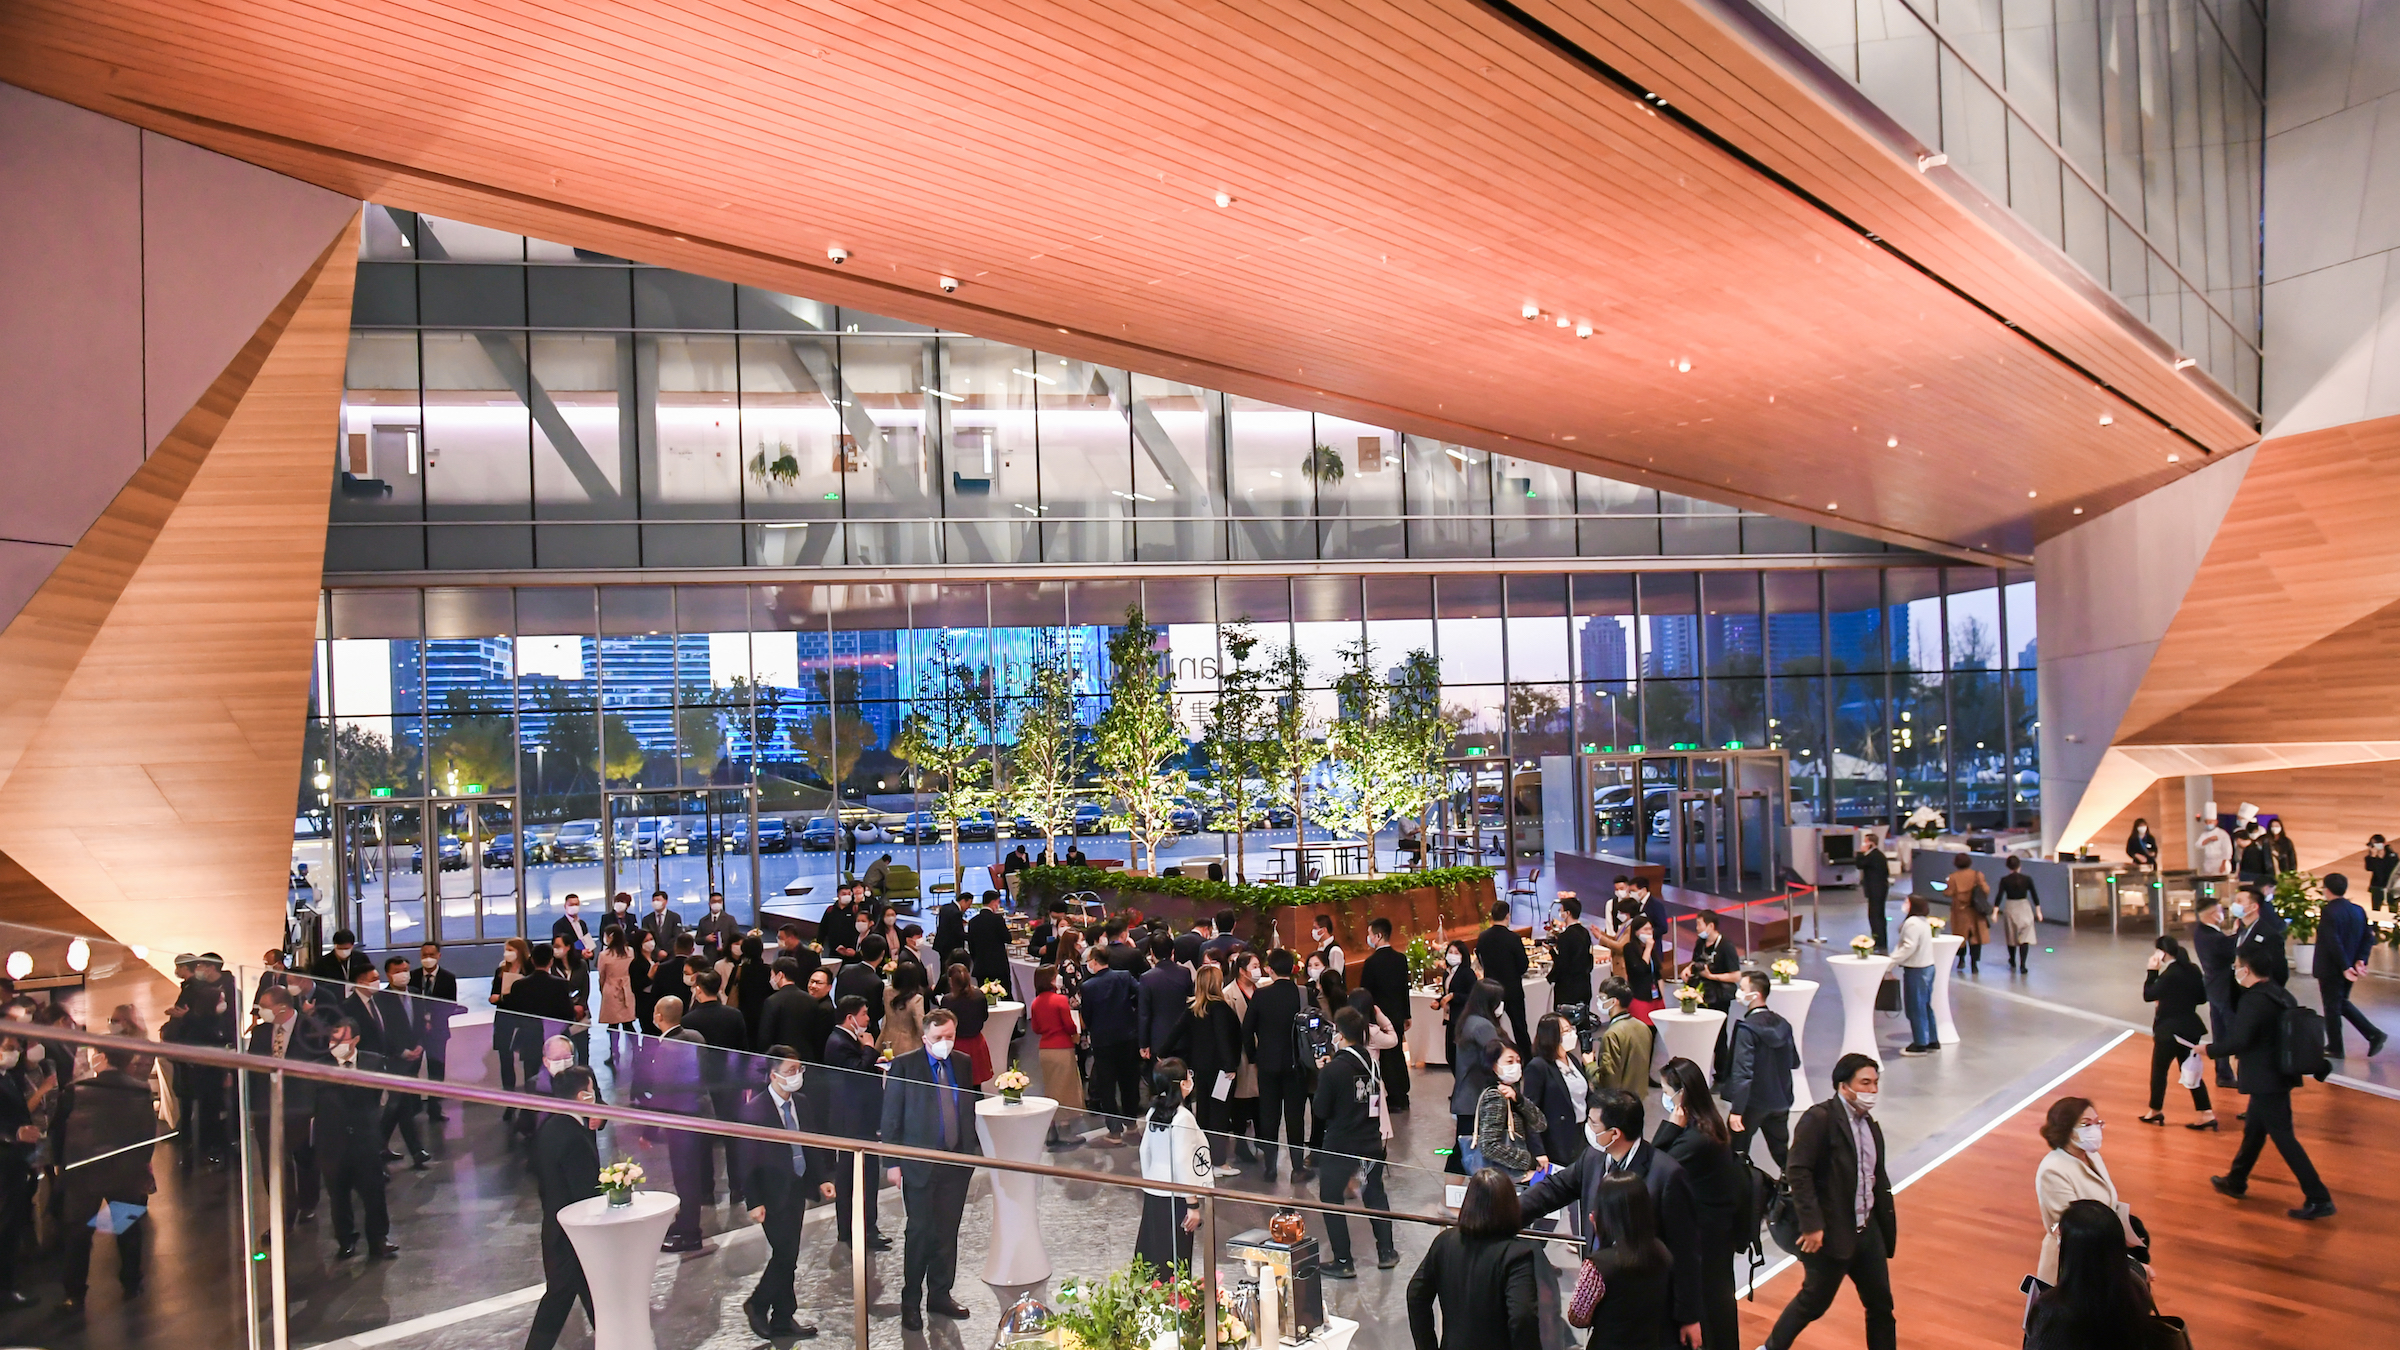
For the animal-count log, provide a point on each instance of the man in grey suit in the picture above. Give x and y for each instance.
(926, 1106)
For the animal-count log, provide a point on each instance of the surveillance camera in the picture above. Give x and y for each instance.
(949, 284)
(839, 255)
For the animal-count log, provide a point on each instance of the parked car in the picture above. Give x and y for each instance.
(577, 841)
(500, 851)
(774, 835)
(918, 827)
(1090, 818)
(1183, 817)
(1280, 817)
(453, 854)
(978, 825)
(1023, 827)
(821, 835)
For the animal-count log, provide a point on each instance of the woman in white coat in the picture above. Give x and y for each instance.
(2072, 1171)
(1173, 1150)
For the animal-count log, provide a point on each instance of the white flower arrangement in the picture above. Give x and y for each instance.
(1011, 1082)
(622, 1176)
(995, 991)
(1924, 823)
(1862, 945)
(1785, 969)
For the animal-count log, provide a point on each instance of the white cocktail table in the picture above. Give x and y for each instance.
(1856, 977)
(618, 1247)
(1015, 1130)
(1425, 1044)
(1791, 1002)
(1945, 951)
(1691, 1036)
(1000, 1030)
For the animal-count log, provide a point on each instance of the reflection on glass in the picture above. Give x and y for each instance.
(796, 434)
(690, 428)
(583, 460)
(379, 470)
(477, 451)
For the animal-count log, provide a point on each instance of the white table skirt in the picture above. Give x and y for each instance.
(619, 1250)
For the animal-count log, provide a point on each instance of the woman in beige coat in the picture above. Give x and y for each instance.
(2072, 1171)
(1970, 911)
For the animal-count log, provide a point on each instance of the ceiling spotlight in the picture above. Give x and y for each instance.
(838, 255)
(1683, 363)
(1562, 322)
(2079, 510)
(1833, 506)
(949, 285)
(2107, 421)
(1892, 443)
(1224, 199)
(1583, 330)
(79, 955)
(2174, 459)
(20, 965)
(1531, 310)
(1932, 161)
(2029, 492)
(2185, 363)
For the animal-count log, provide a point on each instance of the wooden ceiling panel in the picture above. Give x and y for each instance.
(1405, 176)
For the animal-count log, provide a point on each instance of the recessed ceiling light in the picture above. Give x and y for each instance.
(1224, 199)
(2185, 363)
(1683, 363)
(1583, 330)
(2174, 459)
(1892, 443)
(1531, 310)
(1562, 322)
(1833, 506)
(2106, 420)
(2029, 493)
(2079, 510)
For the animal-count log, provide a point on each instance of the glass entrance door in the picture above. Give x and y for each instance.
(400, 887)
(477, 882)
(1713, 820)
(383, 867)
(687, 843)
(1471, 817)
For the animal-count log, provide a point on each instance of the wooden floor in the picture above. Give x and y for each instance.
(2238, 1272)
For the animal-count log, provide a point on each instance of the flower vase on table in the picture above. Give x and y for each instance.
(619, 1180)
(1784, 970)
(1862, 946)
(1688, 997)
(1011, 1083)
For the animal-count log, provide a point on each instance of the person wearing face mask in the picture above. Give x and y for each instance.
(1173, 1150)
(780, 1180)
(20, 1140)
(718, 932)
(342, 964)
(2259, 928)
(2213, 948)
(571, 929)
(1474, 1059)
(1383, 976)
(1349, 1100)
(1500, 953)
(1848, 1227)
(397, 1043)
(349, 1139)
(2072, 1171)
(1695, 1136)
(566, 1170)
(666, 1077)
(101, 1135)
(1509, 1129)
(1570, 957)
(1622, 1059)
(1764, 1054)
(2255, 1044)
(1557, 1086)
(1458, 982)
(926, 1106)
(662, 923)
(2344, 941)
(2141, 846)
(854, 1110)
(281, 1033)
(1613, 1129)
(433, 999)
(620, 915)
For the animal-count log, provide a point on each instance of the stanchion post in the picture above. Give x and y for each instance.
(1208, 1271)
(278, 1269)
(862, 1201)
(247, 1154)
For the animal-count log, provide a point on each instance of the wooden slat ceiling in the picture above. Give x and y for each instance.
(1404, 177)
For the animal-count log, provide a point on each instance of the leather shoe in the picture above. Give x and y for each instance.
(1338, 1270)
(387, 1250)
(345, 1251)
(420, 1162)
(2314, 1209)
(877, 1242)
(393, 1155)
(677, 1242)
(757, 1315)
(794, 1331)
(1386, 1260)
(911, 1320)
(2226, 1187)
(949, 1307)
(2376, 1042)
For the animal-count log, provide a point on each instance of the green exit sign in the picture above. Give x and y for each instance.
(1475, 750)
(381, 792)
(474, 789)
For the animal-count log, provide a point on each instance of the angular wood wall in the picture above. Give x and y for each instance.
(154, 693)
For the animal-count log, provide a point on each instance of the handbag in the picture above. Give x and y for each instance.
(1590, 1287)
(1887, 994)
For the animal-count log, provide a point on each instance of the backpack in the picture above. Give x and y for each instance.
(1312, 1037)
(1758, 1194)
(2300, 1042)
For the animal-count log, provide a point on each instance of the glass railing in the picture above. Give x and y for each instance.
(305, 1240)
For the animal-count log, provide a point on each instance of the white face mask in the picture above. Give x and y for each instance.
(430, 962)
(344, 1052)
(658, 906)
(1450, 958)
(1608, 1010)
(1510, 1073)
(1865, 1100)
(1567, 1041)
(1594, 1137)
(939, 1049)
(2087, 1138)
(558, 1066)
(787, 1083)
(341, 953)
(36, 1053)
(1747, 998)
(573, 910)
(1666, 1102)
(9, 1058)
(716, 907)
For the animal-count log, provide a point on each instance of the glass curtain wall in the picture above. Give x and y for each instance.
(1888, 689)
(2127, 133)
(514, 405)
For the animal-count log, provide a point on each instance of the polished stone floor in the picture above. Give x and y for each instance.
(470, 1268)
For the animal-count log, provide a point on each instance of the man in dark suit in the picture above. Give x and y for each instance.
(950, 933)
(281, 1033)
(1226, 942)
(1384, 975)
(1847, 1224)
(572, 929)
(1758, 1073)
(433, 1001)
(1111, 1008)
(1875, 878)
(102, 1131)
(987, 941)
(718, 932)
(1041, 941)
(1500, 953)
(780, 1180)
(1570, 957)
(349, 1138)
(2260, 928)
(784, 1021)
(1347, 1105)
(859, 977)
(1270, 1042)
(853, 1094)
(662, 923)
(1163, 991)
(2344, 940)
(395, 1038)
(1614, 1119)
(566, 1170)
(2213, 948)
(206, 1012)
(342, 964)
(727, 1035)
(926, 1106)
(669, 978)
(2255, 1045)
